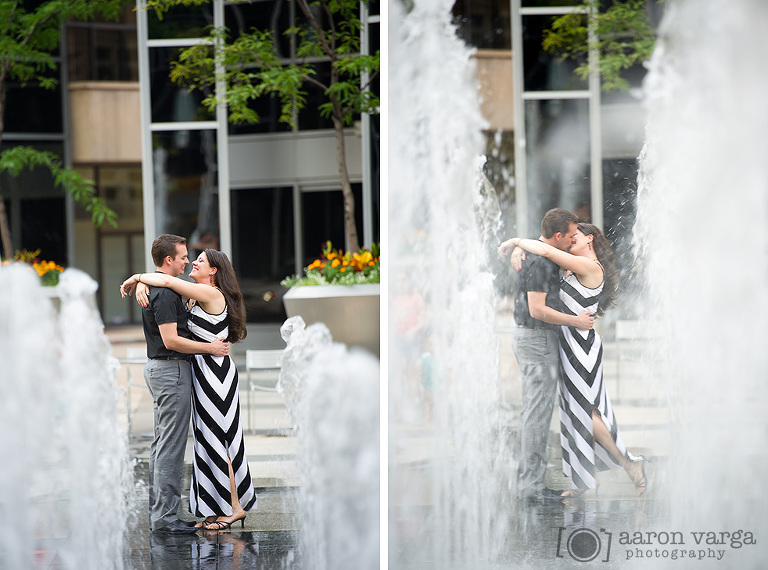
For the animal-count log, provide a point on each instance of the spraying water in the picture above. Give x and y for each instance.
(449, 464)
(700, 236)
(64, 487)
(702, 218)
(332, 395)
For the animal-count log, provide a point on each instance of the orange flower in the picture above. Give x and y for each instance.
(335, 263)
(43, 267)
(360, 260)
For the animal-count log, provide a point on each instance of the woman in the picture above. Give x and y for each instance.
(589, 435)
(216, 310)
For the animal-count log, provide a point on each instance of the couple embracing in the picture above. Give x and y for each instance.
(189, 372)
(555, 344)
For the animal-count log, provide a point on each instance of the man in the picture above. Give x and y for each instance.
(538, 311)
(168, 374)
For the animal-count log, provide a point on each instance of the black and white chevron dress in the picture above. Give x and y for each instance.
(582, 389)
(217, 428)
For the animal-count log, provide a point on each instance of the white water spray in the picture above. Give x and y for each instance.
(449, 464)
(701, 229)
(332, 395)
(64, 487)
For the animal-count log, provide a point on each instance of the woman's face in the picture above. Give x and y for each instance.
(201, 269)
(580, 244)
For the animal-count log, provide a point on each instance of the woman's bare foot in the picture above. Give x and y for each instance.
(636, 472)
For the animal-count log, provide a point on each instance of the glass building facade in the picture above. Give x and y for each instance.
(267, 194)
(567, 144)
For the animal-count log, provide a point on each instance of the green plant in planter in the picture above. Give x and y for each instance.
(337, 267)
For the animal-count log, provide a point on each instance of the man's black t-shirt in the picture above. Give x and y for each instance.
(165, 306)
(537, 274)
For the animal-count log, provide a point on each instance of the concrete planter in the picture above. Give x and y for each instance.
(351, 312)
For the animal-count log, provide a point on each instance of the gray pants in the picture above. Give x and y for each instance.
(537, 354)
(170, 383)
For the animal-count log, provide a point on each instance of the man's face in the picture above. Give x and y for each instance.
(179, 261)
(566, 240)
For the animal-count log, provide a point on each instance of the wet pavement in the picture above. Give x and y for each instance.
(258, 546)
(533, 533)
(538, 534)
(552, 534)
(269, 539)
(608, 528)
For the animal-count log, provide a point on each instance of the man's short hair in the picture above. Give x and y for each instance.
(165, 245)
(557, 220)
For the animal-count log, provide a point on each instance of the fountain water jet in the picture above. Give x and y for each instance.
(66, 484)
(701, 218)
(332, 395)
(702, 214)
(450, 467)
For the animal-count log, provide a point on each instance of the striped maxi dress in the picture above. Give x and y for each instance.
(217, 428)
(582, 389)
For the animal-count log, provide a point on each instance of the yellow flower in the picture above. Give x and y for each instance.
(335, 263)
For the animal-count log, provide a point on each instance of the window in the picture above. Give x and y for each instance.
(102, 52)
(186, 186)
(483, 24)
(263, 248)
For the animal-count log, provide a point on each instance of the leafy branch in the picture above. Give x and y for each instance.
(16, 159)
(623, 37)
(250, 67)
(30, 33)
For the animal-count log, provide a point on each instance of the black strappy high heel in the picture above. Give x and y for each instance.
(223, 525)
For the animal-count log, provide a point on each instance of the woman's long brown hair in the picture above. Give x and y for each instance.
(608, 260)
(226, 280)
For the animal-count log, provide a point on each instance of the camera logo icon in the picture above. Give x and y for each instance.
(584, 544)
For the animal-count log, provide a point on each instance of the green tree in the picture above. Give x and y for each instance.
(622, 38)
(28, 39)
(250, 67)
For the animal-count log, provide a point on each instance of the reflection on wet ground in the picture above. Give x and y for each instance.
(542, 534)
(608, 529)
(607, 532)
(577, 530)
(252, 548)
(223, 550)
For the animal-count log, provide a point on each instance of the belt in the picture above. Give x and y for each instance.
(171, 357)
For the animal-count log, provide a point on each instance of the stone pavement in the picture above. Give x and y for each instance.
(268, 539)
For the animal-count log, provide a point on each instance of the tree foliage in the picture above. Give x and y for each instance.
(28, 40)
(623, 37)
(16, 159)
(250, 67)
